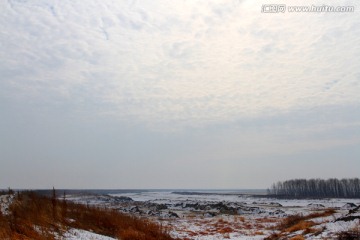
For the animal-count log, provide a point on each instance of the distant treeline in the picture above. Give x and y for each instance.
(317, 188)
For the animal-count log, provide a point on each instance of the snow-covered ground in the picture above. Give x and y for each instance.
(220, 215)
(228, 215)
(5, 201)
(78, 234)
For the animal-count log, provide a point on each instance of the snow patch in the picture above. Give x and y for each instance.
(79, 234)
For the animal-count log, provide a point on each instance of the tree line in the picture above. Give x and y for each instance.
(317, 188)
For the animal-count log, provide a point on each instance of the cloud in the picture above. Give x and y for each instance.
(182, 64)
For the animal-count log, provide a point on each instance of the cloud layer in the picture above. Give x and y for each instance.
(204, 94)
(182, 63)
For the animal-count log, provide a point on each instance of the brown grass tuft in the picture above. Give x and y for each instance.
(298, 237)
(225, 230)
(298, 222)
(293, 220)
(302, 225)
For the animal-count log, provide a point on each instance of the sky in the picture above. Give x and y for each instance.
(176, 94)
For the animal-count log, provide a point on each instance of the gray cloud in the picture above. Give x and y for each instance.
(137, 57)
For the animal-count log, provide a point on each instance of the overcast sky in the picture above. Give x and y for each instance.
(176, 94)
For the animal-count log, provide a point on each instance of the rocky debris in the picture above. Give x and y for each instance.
(169, 215)
(209, 214)
(207, 208)
(155, 206)
(149, 209)
(347, 218)
(161, 207)
(122, 209)
(113, 199)
(249, 210)
(173, 215)
(315, 205)
(134, 209)
(349, 206)
(194, 206)
(355, 210)
(224, 208)
(353, 214)
(264, 203)
(122, 199)
(275, 204)
(104, 199)
(151, 213)
(278, 213)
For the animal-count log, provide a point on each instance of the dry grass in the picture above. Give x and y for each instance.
(38, 217)
(267, 220)
(239, 218)
(293, 220)
(302, 225)
(258, 233)
(273, 236)
(298, 237)
(298, 222)
(225, 230)
(313, 231)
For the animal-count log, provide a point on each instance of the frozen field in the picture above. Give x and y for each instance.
(234, 214)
